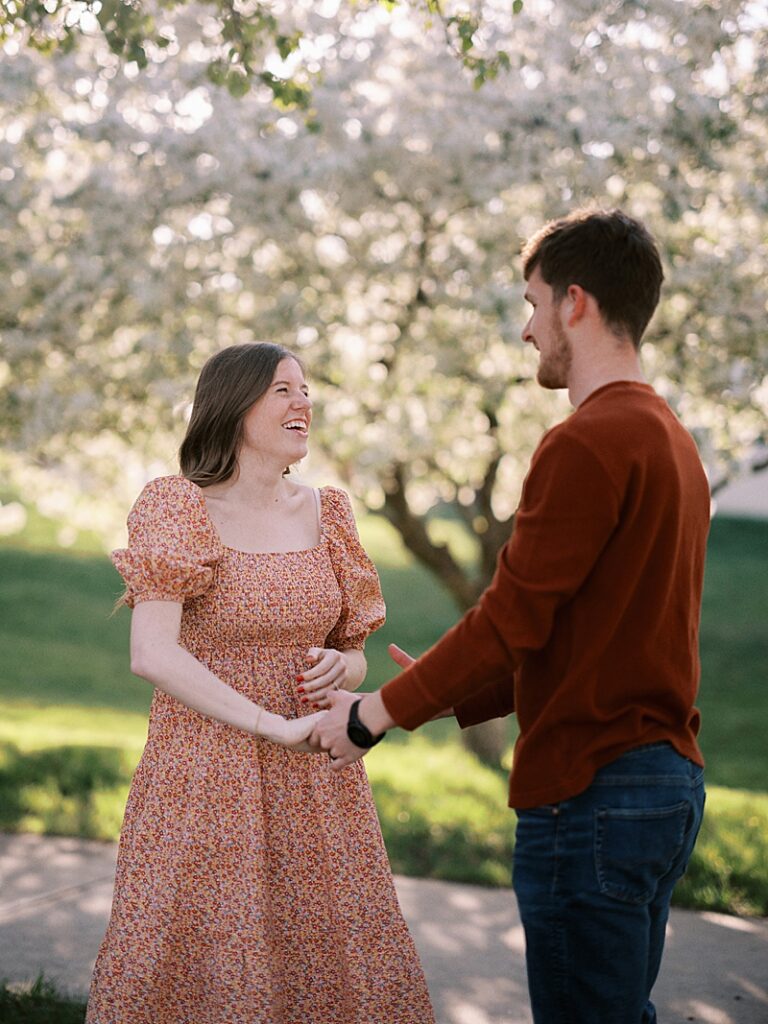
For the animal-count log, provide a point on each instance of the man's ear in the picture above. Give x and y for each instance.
(577, 300)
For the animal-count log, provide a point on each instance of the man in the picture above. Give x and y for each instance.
(589, 632)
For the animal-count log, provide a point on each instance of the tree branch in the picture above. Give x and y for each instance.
(497, 530)
(754, 467)
(412, 529)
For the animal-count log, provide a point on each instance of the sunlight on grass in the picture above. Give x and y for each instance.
(442, 813)
(73, 719)
(32, 727)
(729, 868)
(385, 546)
(383, 543)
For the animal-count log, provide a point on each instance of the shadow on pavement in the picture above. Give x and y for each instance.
(55, 895)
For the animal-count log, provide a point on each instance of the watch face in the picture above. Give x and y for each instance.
(360, 737)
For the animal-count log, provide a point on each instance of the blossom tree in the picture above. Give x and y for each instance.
(149, 218)
(240, 37)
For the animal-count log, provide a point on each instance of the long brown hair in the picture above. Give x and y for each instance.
(229, 384)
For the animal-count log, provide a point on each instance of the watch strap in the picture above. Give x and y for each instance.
(359, 733)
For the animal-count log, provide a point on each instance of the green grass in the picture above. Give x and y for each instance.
(442, 813)
(73, 719)
(40, 1003)
(729, 869)
(734, 654)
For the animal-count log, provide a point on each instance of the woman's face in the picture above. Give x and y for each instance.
(278, 424)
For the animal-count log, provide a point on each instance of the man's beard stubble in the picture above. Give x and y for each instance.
(555, 366)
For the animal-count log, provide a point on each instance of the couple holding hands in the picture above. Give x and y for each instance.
(253, 886)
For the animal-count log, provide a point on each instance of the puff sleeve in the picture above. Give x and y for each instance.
(362, 609)
(173, 547)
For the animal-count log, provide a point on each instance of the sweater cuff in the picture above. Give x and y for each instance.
(407, 702)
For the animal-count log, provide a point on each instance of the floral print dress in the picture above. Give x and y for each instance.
(252, 883)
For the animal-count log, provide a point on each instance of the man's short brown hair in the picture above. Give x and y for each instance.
(608, 254)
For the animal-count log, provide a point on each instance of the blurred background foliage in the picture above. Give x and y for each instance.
(149, 217)
(246, 42)
(344, 188)
(73, 719)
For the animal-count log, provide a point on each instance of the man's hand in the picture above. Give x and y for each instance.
(330, 733)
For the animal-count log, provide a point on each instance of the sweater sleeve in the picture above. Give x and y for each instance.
(496, 700)
(568, 510)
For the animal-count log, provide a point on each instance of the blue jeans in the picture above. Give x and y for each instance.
(593, 877)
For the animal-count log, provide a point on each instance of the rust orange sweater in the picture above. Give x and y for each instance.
(589, 629)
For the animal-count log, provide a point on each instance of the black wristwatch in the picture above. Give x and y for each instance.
(360, 734)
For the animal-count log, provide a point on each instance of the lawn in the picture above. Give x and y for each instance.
(39, 1003)
(73, 719)
(734, 654)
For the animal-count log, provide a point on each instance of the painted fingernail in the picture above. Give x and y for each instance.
(315, 705)
(299, 679)
(300, 689)
(304, 700)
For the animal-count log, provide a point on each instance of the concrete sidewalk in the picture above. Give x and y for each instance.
(55, 896)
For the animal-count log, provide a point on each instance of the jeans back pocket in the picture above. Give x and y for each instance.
(635, 848)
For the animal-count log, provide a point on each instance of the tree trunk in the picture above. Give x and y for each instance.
(487, 741)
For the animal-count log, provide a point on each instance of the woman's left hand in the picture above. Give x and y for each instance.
(326, 671)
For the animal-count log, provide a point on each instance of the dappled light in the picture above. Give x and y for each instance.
(154, 219)
(355, 181)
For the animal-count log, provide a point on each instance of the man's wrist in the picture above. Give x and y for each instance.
(359, 733)
(374, 715)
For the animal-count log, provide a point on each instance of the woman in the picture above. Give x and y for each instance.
(252, 883)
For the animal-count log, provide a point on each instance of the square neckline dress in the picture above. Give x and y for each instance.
(252, 884)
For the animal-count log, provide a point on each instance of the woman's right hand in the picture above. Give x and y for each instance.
(290, 732)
